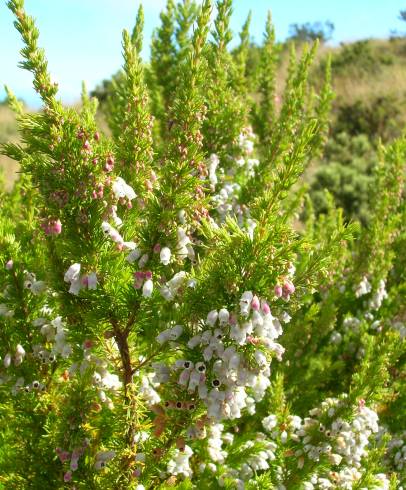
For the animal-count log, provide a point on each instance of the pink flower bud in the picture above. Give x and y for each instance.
(265, 308)
(138, 283)
(87, 344)
(255, 303)
(278, 291)
(64, 456)
(67, 477)
(52, 227)
(157, 248)
(9, 265)
(288, 287)
(86, 145)
(96, 136)
(57, 227)
(253, 340)
(109, 165)
(148, 275)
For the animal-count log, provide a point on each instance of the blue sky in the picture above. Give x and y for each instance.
(82, 38)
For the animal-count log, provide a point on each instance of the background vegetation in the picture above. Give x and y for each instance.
(369, 83)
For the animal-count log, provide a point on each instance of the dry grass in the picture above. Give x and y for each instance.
(351, 86)
(8, 132)
(390, 81)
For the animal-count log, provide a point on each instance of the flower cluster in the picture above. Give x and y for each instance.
(345, 480)
(227, 200)
(364, 287)
(122, 191)
(52, 226)
(78, 281)
(179, 463)
(115, 236)
(246, 140)
(143, 279)
(18, 357)
(378, 296)
(396, 452)
(123, 194)
(72, 458)
(30, 282)
(257, 461)
(326, 435)
(260, 451)
(170, 289)
(55, 333)
(55, 343)
(235, 352)
(101, 378)
(102, 458)
(6, 311)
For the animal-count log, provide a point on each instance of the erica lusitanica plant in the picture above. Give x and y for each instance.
(167, 317)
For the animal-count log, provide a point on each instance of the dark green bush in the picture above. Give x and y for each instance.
(346, 172)
(361, 57)
(378, 117)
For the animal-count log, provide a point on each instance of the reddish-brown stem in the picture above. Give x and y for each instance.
(121, 337)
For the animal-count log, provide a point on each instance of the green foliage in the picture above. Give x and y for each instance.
(226, 109)
(379, 117)
(147, 275)
(241, 54)
(346, 171)
(267, 88)
(360, 59)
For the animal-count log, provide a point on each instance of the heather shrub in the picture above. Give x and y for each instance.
(166, 322)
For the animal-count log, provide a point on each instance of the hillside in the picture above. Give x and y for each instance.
(369, 80)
